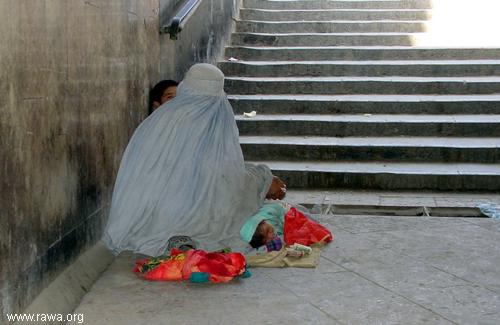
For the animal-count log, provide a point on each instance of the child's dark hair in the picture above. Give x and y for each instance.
(258, 237)
(158, 90)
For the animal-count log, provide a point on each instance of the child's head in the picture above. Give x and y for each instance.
(162, 92)
(263, 234)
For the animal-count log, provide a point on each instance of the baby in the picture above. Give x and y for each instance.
(264, 235)
(266, 226)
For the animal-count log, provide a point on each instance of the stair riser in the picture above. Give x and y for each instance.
(369, 153)
(294, 5)
(233, 86)
(249, 14)
(361, 54)
(321, 40)
(334, 107)
(443, 70)
(382, 181)
(330, 27)
(366, 129)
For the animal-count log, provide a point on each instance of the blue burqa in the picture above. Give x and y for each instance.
(183, 173)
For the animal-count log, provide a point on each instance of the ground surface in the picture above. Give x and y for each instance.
(378, 270)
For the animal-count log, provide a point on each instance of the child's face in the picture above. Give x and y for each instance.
(267, 231)
(168, 94)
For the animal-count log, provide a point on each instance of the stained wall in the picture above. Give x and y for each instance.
(75, 77)
(74, 82)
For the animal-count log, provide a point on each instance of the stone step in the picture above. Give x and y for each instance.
(371, 126)
(326, 4)
(360, 53)
(429, 199)
(369, 149)
(362, 85)
(443, 68)
(326, 39)
(388, 175)
(335, 14)
(345, 26)
(362, 104)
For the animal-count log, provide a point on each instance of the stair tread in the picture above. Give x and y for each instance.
(361, 47)
(259, 4)
(386, 167)
(366, 62)
(370, 98)
(371, 197)
(448, 142)
(378, 118)
(337, 10)
(369, 78)
(333, 34)
(335, 21)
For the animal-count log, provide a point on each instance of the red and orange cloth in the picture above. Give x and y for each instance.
(299, 229)
(195, 264)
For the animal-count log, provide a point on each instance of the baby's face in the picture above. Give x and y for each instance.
(267, 231)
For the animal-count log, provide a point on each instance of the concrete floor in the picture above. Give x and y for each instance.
(378, 270)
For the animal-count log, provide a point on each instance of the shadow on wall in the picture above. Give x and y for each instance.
(202, 39)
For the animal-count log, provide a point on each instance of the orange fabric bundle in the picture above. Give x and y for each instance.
(302, 230)
(220, 267)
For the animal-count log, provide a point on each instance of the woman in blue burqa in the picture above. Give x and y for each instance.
(183, 174)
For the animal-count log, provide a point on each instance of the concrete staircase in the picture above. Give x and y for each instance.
(344, 100)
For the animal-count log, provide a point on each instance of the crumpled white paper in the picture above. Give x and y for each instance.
(251, 114)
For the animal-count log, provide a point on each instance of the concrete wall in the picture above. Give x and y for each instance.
(202, 39)
(74, 81)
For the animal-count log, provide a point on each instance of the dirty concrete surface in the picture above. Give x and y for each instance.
(378, 270)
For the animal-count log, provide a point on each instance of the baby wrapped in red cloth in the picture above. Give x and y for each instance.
(274, 220)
